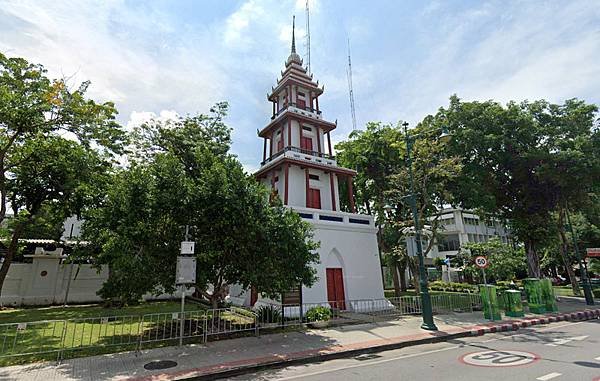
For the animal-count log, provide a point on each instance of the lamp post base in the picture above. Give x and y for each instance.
(429, 326)
(589, 296)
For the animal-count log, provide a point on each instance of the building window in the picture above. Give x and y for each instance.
(314, 198)
(449, 243)
(448, 221)
(471, 221)
(306, 128)
(306, 143)
(313, 177)
(301, 100)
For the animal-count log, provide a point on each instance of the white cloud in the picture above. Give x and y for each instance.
(137, 118)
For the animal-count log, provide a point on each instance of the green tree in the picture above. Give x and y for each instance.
(378, 155)
(40, 169)
(181, 175)
(512, 159)
(375, 153)
(506, 262)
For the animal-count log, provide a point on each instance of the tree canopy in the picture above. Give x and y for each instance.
(55, 144)
(182, 174)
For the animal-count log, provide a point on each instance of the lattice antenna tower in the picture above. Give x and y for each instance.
(307, 37)
(350, 89)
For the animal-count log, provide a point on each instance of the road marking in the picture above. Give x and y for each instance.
(549, 376)
(499, 358)
(367, 364)
(316, 373)
(566, 340)
(597, 358)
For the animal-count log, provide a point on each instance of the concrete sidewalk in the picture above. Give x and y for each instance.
(235, 356)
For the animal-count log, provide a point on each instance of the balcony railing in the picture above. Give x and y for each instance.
(286, 106)
(298, 150)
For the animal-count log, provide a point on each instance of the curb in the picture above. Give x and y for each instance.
(323, 354)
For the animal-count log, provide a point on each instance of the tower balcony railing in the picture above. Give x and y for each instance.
(298, 107)
(297, 150)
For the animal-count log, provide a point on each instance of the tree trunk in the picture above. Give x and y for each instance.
(402, 271)
(533, 261)
(394, 270)
(10, 253)
(564, 250)
(414, 270)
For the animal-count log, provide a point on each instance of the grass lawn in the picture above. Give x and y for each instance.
(105, 329)
(18, 315)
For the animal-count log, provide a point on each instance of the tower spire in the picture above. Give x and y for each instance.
(293, 34)
(294, 57)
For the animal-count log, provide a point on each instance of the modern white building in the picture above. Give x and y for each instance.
(299, 166)
(458, 227)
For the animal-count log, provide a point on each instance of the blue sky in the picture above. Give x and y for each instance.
(158, 58)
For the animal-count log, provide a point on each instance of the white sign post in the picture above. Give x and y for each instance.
(482, 263)
(185, 275)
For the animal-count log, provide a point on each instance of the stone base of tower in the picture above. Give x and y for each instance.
(349, 268)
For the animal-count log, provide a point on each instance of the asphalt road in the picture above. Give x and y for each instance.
(557, 352)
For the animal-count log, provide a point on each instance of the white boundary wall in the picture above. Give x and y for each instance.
(45, 281)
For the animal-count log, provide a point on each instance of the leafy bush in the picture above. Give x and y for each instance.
(318, 314)
(269, 314)
(242, 311)
(503, 285)
(452, 287)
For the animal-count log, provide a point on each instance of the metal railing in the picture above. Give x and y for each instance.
(292, 104)
(134, 331)
(298, 150)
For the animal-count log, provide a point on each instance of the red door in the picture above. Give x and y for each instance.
(306, 143)
(314, 198)
(335, 288)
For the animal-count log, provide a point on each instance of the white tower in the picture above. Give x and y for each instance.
(298, 164)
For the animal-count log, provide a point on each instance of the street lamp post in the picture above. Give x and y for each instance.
(412, 199)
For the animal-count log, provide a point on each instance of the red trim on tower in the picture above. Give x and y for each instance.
(332, 191)
(271, 145)
(329, 143)
(307, 187)
(289, 133)
(300, 133)
(317, 100)
(304, 163)
(318, 139)
(351, 194)
(273, 108)
(323, 124)
(286, 183)
(265, 149)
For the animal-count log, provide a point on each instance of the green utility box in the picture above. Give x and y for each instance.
(548, 295)
(489, 299)
(512, 303)
(535, 300)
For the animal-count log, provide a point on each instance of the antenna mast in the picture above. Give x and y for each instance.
(307, 37)
(350, 90)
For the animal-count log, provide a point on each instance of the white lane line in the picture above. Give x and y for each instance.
(324, 371)
(597, 358)
(566, 340)
(549, 376)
